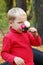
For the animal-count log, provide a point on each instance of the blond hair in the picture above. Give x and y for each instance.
(16, 12)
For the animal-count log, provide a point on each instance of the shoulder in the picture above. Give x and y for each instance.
(8, 35)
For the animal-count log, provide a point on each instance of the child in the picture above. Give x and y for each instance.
(17, 43)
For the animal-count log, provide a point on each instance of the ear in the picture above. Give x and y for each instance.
(10, 21)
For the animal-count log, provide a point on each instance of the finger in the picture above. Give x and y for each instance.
(23, 63)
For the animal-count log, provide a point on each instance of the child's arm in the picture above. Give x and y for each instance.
(6, 50)
(35, 41)
(35, 38)
(7, 56)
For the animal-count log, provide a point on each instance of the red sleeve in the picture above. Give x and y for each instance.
(35, 41)
(6, 50)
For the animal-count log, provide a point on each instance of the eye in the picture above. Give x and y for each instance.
(20, 22)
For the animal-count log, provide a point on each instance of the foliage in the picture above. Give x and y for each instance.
(31, 12)
(3, 22)
(2, 6)
(29, 5)
(9, 4)
(34, 18)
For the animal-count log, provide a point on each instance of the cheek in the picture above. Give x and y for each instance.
(18, 26)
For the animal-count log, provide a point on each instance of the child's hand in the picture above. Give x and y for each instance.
(33, 31)
(19, 61)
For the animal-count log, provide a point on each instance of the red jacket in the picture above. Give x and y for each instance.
(19, 44)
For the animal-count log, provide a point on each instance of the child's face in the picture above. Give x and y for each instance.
(18, 22)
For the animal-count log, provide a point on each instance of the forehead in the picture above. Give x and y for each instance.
(22, 18)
